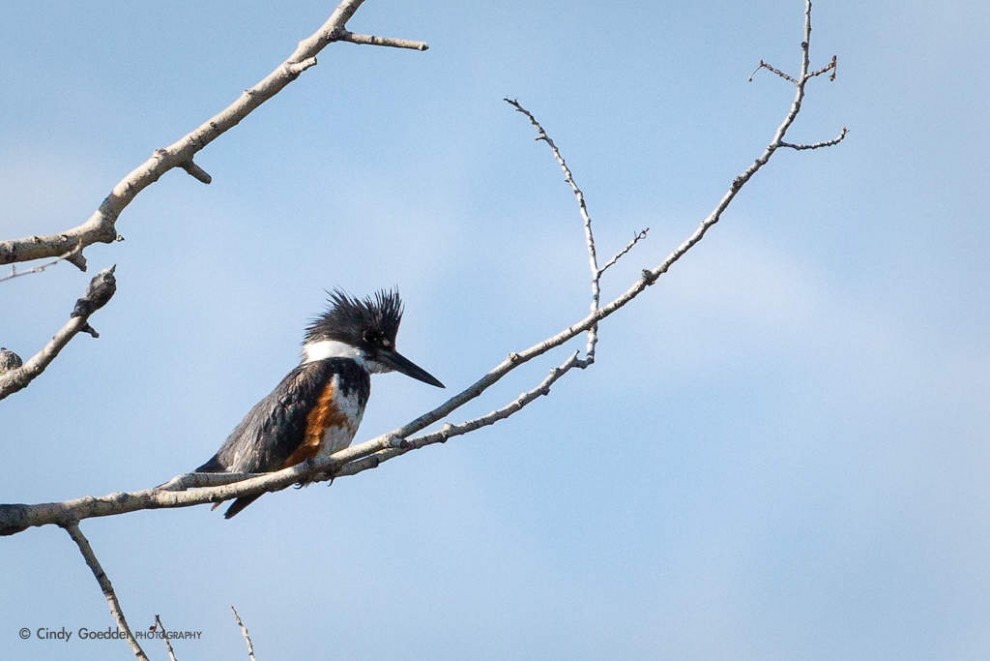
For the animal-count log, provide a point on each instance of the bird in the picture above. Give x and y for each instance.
(316, 409)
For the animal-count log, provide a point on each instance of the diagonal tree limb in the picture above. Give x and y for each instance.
(244, 634)
(101, 289)
(72, 527)
(100, 227)
(168, 642)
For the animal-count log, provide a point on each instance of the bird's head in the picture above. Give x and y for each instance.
(363, 330)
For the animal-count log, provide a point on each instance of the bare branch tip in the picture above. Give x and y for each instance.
(774, 70)
(756, 71)
(375, 40)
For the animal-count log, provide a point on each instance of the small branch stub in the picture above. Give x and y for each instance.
(374, 40)
(196, 172)
(296, 68)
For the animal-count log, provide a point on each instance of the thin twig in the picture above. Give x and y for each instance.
(245, 634)
(639, 236)
(101, 577)
(168, 643)
(832, 66)
(818, 145)
(14, 273)
(772, 69)
(542, 389)
(589, 235)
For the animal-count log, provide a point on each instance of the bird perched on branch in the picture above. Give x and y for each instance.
(316, 409)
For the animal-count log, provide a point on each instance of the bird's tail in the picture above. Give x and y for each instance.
(214, 466)
(238, 505)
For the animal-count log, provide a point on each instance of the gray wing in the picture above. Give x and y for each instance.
(274, 427)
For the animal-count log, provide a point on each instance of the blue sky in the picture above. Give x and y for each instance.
(781, 452)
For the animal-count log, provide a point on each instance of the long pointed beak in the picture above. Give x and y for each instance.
(400, 363)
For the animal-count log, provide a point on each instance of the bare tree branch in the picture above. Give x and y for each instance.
(818, 145)
(100, 227)
(372, 40)
(72, 527)
(245, 634)
(101, 289)
(370, 454)
(639, 236)
(15, 273)
(168, 642)
(589, 235)
(832, 66)
(771, 69)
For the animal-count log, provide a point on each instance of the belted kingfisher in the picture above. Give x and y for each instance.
(316, 409)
